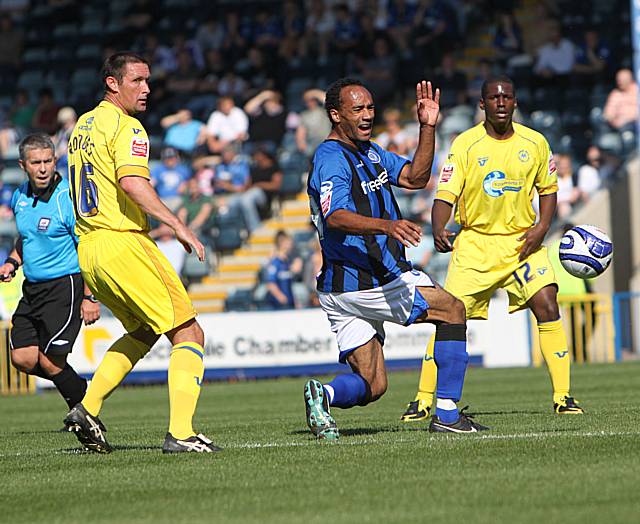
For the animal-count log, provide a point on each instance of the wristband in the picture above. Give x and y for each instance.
(13, 262)
(90, 298)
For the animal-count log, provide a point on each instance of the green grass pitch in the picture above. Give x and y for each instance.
(532, 467)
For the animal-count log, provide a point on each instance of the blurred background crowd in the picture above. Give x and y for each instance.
(236, 107)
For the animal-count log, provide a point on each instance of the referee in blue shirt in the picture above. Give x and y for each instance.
(54, 298)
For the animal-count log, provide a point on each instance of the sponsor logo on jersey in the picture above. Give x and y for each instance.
(43, 224)
(377, 183)
(373, 156)
(542, 270)
(496, 183)
(552, 165)
(139, 147)
(482, 160)
(561, 354)
(523, 155)
(136, 131)
(446, 173)
(326, 190)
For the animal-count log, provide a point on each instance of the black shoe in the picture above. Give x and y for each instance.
(567, 406)
(88, 429)
(196, 444)
(464, 424)
(416, 410)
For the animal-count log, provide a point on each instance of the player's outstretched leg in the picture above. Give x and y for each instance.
(319, 419)
(420, 408)
(83, 418)
(451, 357)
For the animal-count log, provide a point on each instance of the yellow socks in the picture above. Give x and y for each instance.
(186, 369)
(115, 365)
(553, 344)
(428, 375)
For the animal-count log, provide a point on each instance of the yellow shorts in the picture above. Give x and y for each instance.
(481, 264)
(129, 274)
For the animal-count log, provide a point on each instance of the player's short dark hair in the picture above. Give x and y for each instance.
(116, 64)
(501, 79)
(35, 141)
(332, 96)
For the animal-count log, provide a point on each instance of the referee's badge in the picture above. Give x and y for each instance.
(43, 224)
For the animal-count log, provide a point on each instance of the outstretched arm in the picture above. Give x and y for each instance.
(402, 230)
(416, 174)
(142, 193)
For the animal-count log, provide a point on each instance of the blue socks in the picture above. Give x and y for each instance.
(346, 391)
(450, 353)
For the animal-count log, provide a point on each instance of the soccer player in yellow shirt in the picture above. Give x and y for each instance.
(491, 174)
(125, 270)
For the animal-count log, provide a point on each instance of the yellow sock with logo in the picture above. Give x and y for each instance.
(116, 364)
(553, 344)
(186, 369)
(428, 375)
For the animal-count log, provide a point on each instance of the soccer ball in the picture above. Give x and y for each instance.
(585, 251)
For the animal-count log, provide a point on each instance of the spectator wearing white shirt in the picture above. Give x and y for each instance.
(567, 192)
(589, 180)
(556, 57)
(226, 126)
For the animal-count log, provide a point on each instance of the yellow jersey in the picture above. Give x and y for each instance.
(106, 145)
(492, 182)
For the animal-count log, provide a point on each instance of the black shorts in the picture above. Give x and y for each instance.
(48, 315)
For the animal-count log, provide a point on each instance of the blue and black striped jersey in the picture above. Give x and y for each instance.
(358, 180)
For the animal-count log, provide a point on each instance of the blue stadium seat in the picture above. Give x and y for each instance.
(193, 269)
(239, 300)
(13, 176)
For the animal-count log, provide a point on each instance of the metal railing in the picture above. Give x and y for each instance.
(588, 323)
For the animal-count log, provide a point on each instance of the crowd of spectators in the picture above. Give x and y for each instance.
(236, 106)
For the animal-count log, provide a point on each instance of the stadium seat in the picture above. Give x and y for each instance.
(292, 183)
(194, 270)
(610, 142)
(239, 300)
(13, 176)
(8, 228)
(34, 57)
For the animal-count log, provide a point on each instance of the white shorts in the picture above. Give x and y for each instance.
(357, 316)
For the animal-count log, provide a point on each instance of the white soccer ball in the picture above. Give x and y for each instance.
(585, 251)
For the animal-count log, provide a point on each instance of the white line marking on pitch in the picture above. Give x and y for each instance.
(360, 442)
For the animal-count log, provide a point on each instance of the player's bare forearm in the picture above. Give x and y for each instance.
(417, 174)
(142, 193)
(349, 222)
(547, 210)
(440, 215)
(355, 224)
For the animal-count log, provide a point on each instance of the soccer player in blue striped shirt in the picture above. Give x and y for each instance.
(365, 278)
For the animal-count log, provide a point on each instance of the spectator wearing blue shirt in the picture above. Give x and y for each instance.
(169, 178)
(54, 298)
(280, 271)
(183, 132)
(592, 58)
(231, 174)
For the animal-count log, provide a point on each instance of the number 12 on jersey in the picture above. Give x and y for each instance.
(84, 191)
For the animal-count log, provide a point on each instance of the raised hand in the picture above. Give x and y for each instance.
(427, 103)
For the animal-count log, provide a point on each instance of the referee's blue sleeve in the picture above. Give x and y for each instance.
(69, 215)
(14, 200)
